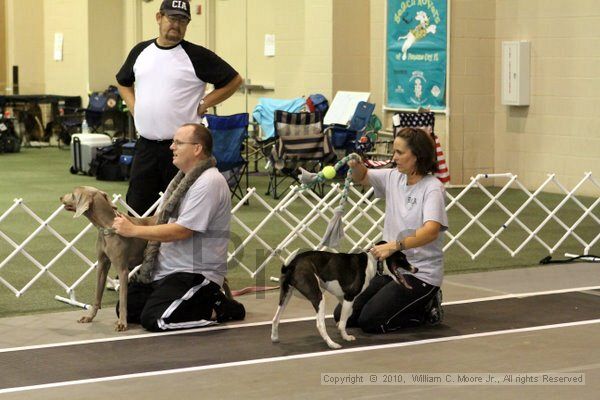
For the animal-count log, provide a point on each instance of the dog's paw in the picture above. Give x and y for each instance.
(120, 326)
(135, 278)
(333, 345)
(142, 278)
(348, 338)
(85, 320)
(275, 333)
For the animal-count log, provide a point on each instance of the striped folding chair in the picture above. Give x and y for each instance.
(263, 132)
(300, 142)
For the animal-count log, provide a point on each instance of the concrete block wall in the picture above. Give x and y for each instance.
(377, 54)
(559, 132)
(71, 75)
(299, 52)
(92, 44)
(351, 45)
(3, 81)
(105, 27)
(472, 65)
(24, 28)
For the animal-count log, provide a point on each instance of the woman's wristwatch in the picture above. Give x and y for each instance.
(400, 245)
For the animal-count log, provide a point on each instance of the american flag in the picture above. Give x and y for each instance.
(425, 121)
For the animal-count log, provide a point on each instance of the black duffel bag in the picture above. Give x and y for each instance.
(105, 166)
(9, 141)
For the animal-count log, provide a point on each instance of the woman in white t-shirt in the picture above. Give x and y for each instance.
(415, 217)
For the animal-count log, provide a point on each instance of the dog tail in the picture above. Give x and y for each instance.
(287, 269)
(288, 261)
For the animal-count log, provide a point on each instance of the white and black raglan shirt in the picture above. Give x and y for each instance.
(169, 84)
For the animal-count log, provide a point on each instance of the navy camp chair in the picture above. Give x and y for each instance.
(230, 135)
(345, 137)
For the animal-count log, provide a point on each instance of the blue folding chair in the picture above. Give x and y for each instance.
(349, 139)
(230, 136)
(345, 138)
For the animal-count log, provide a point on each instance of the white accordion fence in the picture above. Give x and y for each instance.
(301, 218)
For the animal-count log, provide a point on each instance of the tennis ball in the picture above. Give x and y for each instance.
(329, 172)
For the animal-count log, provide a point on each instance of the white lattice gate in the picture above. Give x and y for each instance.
(299, 220)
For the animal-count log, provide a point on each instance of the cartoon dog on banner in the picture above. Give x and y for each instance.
(417, 33)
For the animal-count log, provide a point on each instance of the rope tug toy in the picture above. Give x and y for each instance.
(309, 180)
(335, 229)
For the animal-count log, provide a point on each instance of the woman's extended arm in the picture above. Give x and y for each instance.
(424, 235)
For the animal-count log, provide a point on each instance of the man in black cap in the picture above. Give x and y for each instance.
(163, 83)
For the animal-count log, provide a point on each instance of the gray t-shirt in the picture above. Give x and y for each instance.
(407, 208)
(206, 210)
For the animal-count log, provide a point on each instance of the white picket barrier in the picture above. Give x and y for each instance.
(363, 224)
(513, 182)
(302, 228)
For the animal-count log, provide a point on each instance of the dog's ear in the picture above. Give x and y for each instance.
(105, 195)
(82, 203)
(399, 260)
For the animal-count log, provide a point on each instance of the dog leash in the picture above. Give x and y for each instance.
(585, 257)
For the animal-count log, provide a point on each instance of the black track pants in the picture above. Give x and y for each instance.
(386, 306)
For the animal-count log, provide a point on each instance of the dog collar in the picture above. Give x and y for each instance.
(107, 231)
(379, 267)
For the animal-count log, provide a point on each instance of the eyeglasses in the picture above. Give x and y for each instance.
(177, 19)
(178, 143)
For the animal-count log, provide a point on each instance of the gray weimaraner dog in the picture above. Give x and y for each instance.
(122, 252)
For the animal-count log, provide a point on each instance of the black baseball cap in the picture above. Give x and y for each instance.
(176, 7)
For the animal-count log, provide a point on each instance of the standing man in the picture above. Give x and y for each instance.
(163, 82)
(185, 261)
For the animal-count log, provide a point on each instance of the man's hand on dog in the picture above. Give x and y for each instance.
(123, 226)
(383, 251)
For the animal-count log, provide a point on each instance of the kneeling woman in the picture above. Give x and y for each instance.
(415, 217)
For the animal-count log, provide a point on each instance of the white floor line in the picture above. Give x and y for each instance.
(521, 295)
(260, 323)
(153, 334)
(593, 293)
(327, 353)
(464, 285)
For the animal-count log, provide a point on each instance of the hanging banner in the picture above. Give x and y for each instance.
(417, 39)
